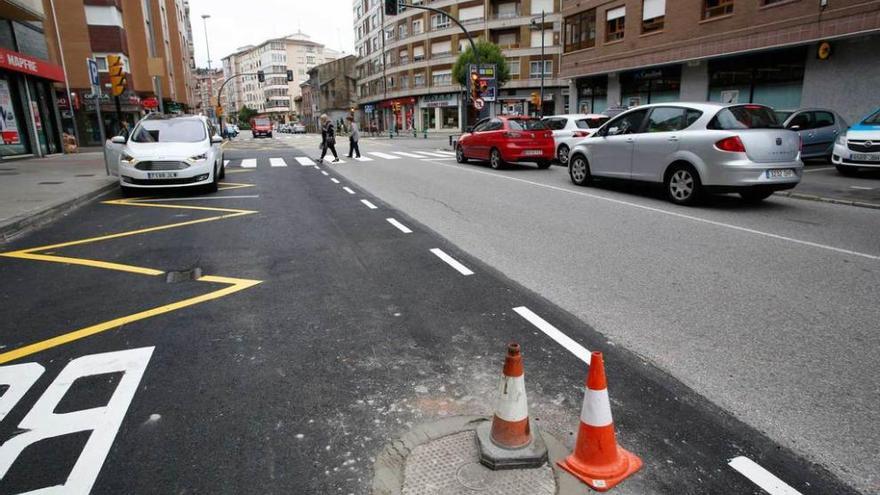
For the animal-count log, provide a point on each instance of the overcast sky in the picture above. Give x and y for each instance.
(236, 23)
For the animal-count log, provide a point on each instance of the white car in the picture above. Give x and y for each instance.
(859, 146)
(569, 130)
(299, 129)
(167, 151)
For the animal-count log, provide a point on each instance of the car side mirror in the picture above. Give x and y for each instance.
(469, 128)
(216, 139)
(118, 140)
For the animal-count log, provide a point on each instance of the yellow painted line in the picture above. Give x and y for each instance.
(225, 186)
(236, 285)
(84, 262)
(240, 171)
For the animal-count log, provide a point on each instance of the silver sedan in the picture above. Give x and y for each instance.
(693, 149)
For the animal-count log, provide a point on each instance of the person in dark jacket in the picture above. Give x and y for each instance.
(328, 139)
(353, 138)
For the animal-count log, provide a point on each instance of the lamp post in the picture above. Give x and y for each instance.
(205, 18)
(543, 63)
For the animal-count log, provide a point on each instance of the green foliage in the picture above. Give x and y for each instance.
(245, 114)
(489, 54)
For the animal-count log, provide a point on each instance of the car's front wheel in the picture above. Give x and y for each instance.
(495, 160)
(215, 182)
(579, 171)
(222, 168)
(847, 170)
(459, 155)
(683, 185)
(562, 154)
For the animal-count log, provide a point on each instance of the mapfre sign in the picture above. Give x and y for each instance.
(20, 62)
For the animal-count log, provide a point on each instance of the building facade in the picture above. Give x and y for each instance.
(30, 121)
(782, 53)
(331, 89)
(136, 31)
(276, 96)
(406, 60)
(207, 84)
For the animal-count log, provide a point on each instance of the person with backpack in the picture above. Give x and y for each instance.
(353, 138)
(328, 139)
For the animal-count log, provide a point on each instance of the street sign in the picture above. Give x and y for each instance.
(94, 77)
(151, 102)
(479, 103)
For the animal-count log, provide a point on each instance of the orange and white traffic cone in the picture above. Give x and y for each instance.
(597, 459)
(511, 441)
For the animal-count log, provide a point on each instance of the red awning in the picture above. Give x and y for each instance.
(20, 62)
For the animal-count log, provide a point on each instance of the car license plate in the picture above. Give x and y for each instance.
(532, 152)
(161, 175)
(780, 172)
(864, 157)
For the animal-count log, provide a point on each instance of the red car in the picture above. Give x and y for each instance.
(261, 126)
(507, 139)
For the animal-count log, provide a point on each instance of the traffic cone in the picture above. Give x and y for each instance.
(597, 459)
(511, 441)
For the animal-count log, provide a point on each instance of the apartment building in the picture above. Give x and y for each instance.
(407, 59)
(135, 30)
(331, 89)
(275, 97)
(207, 84)
(30, 123)
(783, 53)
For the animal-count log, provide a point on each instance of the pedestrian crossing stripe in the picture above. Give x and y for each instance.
(277, 162)
(447, 153)
(305, 161)
(411, 155)
(432, 154)
(225, 162)
(309, 162)
(364, 159)
(249, 163)
(384, 155)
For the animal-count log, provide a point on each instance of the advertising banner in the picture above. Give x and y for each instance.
(8, 124)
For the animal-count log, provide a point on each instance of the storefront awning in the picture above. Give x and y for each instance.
(26, 64)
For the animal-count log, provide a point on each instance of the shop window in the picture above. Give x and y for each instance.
(653, 15)
(717, 8)
(615, 24)
(592, 94)
(655, 85)
(773, 78)
(580, 31)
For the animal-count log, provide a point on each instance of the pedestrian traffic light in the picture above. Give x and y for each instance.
(536, 99)
(391, 7)
(117, 74)
(475, 86)
(261, 76)
(289, 75)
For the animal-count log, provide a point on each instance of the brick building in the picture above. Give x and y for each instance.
(137, 31)
(764, 51)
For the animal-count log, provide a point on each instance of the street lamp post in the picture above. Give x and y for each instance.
(205, 18)
(543, 63)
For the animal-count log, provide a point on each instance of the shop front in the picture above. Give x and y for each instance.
(774, 78)
(399, 113)
(129, 111)
(650, 85)
(440, 111)
(592, 94)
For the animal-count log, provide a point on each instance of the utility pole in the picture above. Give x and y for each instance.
(543, 63)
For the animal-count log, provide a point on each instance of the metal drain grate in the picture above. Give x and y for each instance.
(50, 182)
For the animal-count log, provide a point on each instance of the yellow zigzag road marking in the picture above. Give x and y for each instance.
(234, 284)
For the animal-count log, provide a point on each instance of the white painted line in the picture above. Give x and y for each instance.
(554, 333)
(384, 155)
(452, 262)
(861, 188)
(401, 227)
(404, 153)
(277, 162)
(761, 477)
(304, 160)
(317, 167)
(364, 159)
(348, 189)
(249, 163)
(225, 162)
(447, 153)
(444, 158)
(325, 173)
(369, 205)
(334, 180)
(818, 169)
(195, 198)
(431, 153)
(667, 212)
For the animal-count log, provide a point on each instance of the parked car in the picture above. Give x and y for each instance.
(859, 146)
(693, 149)
(568, 130)
(231, 130)
(261, 126)
(299, 129)
(817, 127)
(507, 139)
(284, 128)
(167, 151)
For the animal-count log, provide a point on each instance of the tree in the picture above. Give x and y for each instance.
(245, 114)
(489, 54)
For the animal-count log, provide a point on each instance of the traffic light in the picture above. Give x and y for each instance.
(391, 7)
(289, 75)
(536, 99)
(261, 76)
(117, 74)
(475, 86)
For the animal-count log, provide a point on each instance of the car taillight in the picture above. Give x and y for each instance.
(512, 135)
(581, 134)
(732, 144)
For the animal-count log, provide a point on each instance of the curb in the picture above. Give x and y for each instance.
(19, 227)
(822, 199)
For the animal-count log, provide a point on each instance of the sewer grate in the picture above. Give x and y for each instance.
(177, 276)
(50, 182)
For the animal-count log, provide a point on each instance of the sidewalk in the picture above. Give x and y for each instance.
(36, 191)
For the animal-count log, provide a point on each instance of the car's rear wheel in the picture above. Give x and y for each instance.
(755, 195)
(847, 170)
(459, 155)
(579, 171)
(683, 185)
(495, 160)
(562, 154)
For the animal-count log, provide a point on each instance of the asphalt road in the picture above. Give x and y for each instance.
(320, 330)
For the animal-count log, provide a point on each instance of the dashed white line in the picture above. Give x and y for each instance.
(368, 204)
(818, 169)
(401, 227)
(249, 163)
(761, 477)
(325, 173)
(225, 162)
(277, 162)
(454, 263)
(554, 333)
(861, 188)
(304, 161)
(348, 189)
(384, 155)
(334, 180)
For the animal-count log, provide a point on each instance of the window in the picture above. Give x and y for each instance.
(439, 21)
(441, 78)
(823, 119)
(418, 80)
(417, 26)
(539, 6)
(494, 125)
(653, 14)
(441, 48)
(744, 117)
(507, 10)
(470, 14)
(802, 120)
(526, 125)
(418, 53)
(513, 65)
(170, 131)
(614, 23)
(481, 125)
(401, 31)
(535, 69)
(628, 123)
(580, 31)
(669, 119)
(506, 40)
(102, 63)
(717, 8)
(537, 36)
(555, 124)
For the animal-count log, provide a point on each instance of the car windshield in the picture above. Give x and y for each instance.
(261, 121)
(745, 117)
(526, 125)
(169, 131)
(782, 115)
(591, 123)
(873, 119)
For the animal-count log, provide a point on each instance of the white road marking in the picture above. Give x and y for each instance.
(334, 180)
(447, 153)
(325, 173)
(249, 163)
(348, 189)
(404, 153)
(384, 155)
(444, 158)
(861, 188)
(277, 162)
(364, 159)
(667, 212)
(554, 333)
(818, 169)
(761, 477)
(195, 198)
(401, 227)
(317, 167)
(225, 162)
(368, 204)
(304, 161)
(431, 153)
(452, 262)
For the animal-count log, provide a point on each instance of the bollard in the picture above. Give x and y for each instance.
(426, 133)
(450, 140)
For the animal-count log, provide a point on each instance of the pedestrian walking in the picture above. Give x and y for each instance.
(353, 138)
(328, 138)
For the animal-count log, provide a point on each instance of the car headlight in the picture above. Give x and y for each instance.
(199, 158)
(841, 140)
(126, 158)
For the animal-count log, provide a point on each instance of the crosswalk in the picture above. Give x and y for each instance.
(306, 161)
